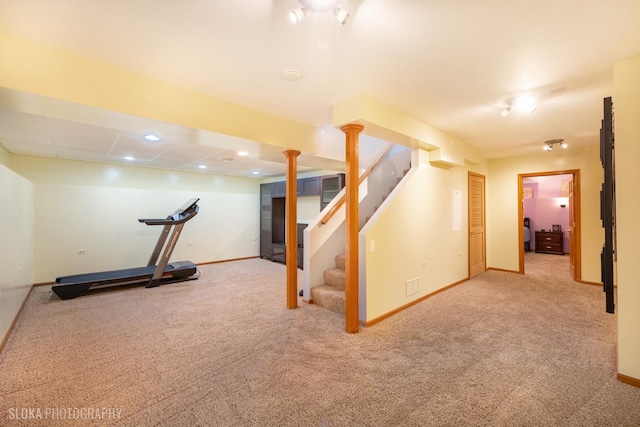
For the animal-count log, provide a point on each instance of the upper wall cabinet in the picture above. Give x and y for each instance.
(304, 187)
(308, 186)
(330, 186)
(279, 189)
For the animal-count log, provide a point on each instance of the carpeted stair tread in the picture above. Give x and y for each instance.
(329, 297)
(335, 277)
(340, 261)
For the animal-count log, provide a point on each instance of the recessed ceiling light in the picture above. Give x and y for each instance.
(151, 137)
(256, 172)
(202, 166)
(243, 153)
(129, 158)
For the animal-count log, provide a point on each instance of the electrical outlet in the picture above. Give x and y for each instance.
(189, 243)
(372, 245)
(82, 251)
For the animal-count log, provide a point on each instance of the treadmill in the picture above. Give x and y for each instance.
(67, 287)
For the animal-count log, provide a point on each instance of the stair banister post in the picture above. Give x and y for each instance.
(291, 230)
(352, 132)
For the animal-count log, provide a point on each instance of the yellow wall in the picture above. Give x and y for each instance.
(414, 238)
(16, 244)
(95, 207)
(503, 224)
(626, 104)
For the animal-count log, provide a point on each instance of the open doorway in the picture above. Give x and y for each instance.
(549, 215)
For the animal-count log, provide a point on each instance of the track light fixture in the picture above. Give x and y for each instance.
(522, 103)
(298, 14)
(548, 145)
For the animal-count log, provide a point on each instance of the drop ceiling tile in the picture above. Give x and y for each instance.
(23, 127)
(77, 135)
(80, 154)
(187, 153)
(29, 149)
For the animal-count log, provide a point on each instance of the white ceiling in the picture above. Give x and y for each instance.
(451, 64)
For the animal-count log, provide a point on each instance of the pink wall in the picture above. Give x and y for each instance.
(544, 208)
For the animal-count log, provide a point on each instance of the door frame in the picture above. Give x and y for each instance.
(577, 229)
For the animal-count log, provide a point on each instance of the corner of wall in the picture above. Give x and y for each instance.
(5, 156)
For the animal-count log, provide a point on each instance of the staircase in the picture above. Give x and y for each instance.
(331, 294)
(383, 178)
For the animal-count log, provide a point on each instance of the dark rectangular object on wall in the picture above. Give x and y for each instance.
(607, 201)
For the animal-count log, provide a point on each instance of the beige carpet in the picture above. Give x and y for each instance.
(500, 350)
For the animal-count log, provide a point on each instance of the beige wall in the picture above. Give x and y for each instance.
(95, 207)
(414, 238)
(503, 223)
(16, 244)
(626, 104)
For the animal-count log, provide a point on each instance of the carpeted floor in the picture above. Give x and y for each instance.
(499, 350)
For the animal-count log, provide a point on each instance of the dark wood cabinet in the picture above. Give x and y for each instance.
(266, 250)
(550, 242)
(304, 187)
(272, 212)
(330, 186)
(308, 186)
(272, 218)
(278, 189)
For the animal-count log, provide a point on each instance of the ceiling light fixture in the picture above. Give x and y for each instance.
(243, 153)
(256, 172)
(548, 145)
(522, 103)
(129, 158)
(297, 15)
(320, 6)
(202, 166)
(151, 137)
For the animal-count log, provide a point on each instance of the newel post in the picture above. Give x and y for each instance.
(352, 132)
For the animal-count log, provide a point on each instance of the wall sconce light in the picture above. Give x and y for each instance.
(548, 145)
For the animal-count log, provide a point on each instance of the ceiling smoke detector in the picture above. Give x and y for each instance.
(292, 75)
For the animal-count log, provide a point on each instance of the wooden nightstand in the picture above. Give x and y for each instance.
(550, 242)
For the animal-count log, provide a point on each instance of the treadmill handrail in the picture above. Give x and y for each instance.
(173, 219)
